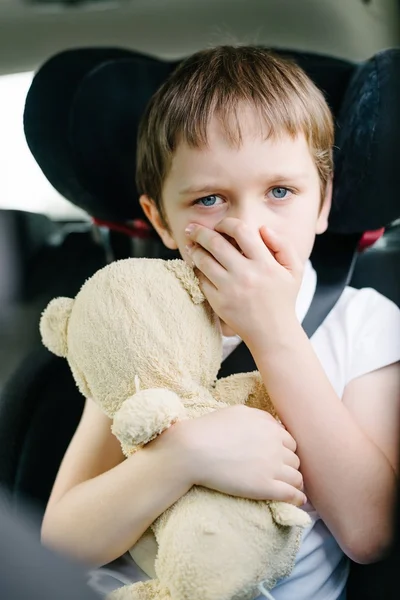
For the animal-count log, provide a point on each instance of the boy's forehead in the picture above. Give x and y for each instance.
(253, 141)
(243, 119)
(232, 129)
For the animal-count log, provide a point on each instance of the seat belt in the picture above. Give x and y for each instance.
(332, 278)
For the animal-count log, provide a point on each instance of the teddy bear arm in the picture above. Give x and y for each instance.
(235, 389)
(145, 415)
(289, 515)
(245, 388)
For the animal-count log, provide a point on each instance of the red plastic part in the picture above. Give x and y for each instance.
(369, 238)
(137, 228)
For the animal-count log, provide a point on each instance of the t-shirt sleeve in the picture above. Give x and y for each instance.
(376, 333)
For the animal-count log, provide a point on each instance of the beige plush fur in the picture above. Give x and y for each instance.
(143, 343)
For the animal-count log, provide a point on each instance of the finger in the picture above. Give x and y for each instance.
(291, 476)
(263, 414)
(207, 287)
(291, 459)
(273, 419)
(207, 265)
(216, 245)
(283, 252)
(248, 240)
(268, 417)
(284, 492)
(288, 441)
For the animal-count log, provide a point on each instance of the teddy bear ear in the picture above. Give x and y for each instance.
(54, 325)
(188, 279)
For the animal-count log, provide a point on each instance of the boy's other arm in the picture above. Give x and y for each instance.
(348, 449)
(101, 504)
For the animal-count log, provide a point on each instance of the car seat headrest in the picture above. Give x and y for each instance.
(368, 136)
(83, 109)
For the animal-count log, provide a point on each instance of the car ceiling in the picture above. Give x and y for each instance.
(33, 30)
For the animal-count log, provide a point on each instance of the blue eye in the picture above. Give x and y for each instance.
(208, 200)
(279, 193)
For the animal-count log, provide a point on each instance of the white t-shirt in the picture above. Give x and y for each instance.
(360, 335)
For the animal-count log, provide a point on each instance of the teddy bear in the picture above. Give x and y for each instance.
(144, 344)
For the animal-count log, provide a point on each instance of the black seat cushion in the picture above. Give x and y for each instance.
(22, 237)
(40, 409)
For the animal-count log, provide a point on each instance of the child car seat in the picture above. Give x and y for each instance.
(81, 120)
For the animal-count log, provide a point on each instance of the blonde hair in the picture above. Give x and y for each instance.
(217, 82)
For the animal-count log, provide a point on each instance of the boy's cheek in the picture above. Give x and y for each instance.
(303, 247)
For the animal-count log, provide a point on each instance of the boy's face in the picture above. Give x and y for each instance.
(263, 181)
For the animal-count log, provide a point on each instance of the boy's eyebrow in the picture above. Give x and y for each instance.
(277, 177)
(199, 189)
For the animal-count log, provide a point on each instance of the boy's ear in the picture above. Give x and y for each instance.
(153, 214)
(323, 217)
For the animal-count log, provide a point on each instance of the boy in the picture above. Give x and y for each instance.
(235, 170)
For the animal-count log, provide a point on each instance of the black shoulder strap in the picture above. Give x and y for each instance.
(333, 258)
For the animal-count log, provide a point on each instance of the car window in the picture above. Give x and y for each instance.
(22, 184)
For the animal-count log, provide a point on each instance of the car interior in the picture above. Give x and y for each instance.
(84, 211)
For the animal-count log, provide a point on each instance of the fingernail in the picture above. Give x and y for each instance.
(189, 229)
(189, 248)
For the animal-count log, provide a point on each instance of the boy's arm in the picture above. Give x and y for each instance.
(348, 449)
(347, 467)
(101, 504)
